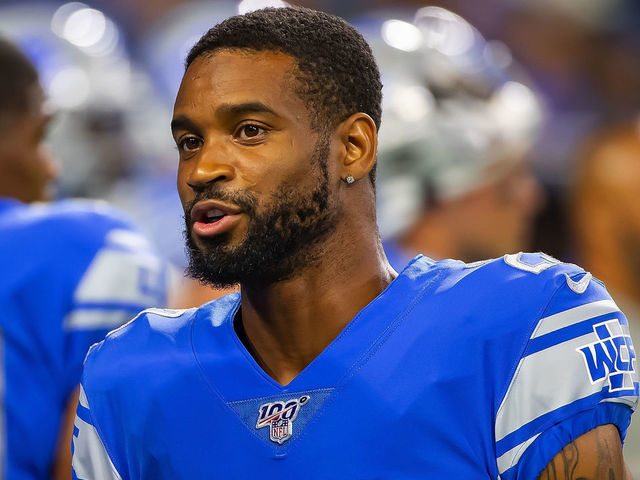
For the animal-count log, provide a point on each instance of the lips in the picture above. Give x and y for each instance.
(211, 217)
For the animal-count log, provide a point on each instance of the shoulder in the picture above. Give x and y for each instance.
(576, 367)
(148, 331)
(516, 281)
(64, 213)
(153, 339)
(68, 223)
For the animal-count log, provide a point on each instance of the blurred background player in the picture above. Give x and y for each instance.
(70, 272)
(109, 133)
(453, 181)
(604, 210)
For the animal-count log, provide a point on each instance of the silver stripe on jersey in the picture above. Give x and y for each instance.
(539, 387)
(90, 319)
(114, 276)
(125, 270)
(510, 458)
(90, 458)
(574, 315)
(631, 402)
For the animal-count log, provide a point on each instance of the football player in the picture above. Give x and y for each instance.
(70, 272)
(328, 364)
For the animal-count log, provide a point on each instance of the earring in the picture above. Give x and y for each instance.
(350, 179)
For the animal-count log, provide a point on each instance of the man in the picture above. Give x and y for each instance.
(329, 364)
(71, 271)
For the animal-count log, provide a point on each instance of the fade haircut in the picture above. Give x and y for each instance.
(16, 80)
(336, 75)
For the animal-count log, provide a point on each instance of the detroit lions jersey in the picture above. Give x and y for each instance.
(479, 371)
(69, 272)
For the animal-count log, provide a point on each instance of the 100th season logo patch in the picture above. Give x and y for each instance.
(279, 417)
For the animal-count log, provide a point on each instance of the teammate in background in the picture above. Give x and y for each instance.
(604, 211)
(456, 127)
(328, 363)
(70, 272)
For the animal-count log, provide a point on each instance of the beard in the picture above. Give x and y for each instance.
(283, 236)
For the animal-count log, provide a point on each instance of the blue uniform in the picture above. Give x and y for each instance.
(70, 272)
(455, 371)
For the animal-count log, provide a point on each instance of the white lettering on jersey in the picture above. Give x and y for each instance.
(540, 387)
(581, 285)
(611, 357)
(515, 260)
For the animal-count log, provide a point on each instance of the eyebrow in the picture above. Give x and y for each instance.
(183, 122)
(243, 108)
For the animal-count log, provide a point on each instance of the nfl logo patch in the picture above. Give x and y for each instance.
(279, 417)
(280, 430)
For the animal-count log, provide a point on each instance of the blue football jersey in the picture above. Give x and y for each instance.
(455, 371)
(69, 272)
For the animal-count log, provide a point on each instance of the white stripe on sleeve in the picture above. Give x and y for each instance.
(90, 458)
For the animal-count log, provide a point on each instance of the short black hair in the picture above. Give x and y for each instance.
(17, 78)
(337, 73)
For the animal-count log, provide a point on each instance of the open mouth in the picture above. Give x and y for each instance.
(211, 216)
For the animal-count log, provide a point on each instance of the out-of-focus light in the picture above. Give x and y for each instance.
(411, 103)
(445, 31)
(62, 14)
(517, 98)
(498, 54)
(246, 6)
(107, 43)
(401, 35)
(69, 88)
(85, 27)
(517, 111)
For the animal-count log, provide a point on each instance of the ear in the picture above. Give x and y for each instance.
(358, 135)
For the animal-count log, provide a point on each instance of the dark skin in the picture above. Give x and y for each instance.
(249, 134)
(25, 164)
(596, 455)
(225, 135)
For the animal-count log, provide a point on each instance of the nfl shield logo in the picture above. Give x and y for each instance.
(279, 417)
(280, 430)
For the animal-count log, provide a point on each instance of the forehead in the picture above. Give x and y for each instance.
(233, 76)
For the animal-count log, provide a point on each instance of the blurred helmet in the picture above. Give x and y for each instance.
(455, 110)
(106, 112)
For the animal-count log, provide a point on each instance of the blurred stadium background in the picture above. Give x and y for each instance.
(554, 81)
(112, 67)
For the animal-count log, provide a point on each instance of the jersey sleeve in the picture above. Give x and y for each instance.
(578, 371)
(124, 277)
(91, 461)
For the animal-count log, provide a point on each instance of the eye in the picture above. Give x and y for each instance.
(189, 144)
(250, 131)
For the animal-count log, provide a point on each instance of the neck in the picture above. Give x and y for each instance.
(286, 325)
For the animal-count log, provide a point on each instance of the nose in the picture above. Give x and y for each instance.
(212, 165)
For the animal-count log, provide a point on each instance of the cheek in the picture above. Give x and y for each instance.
(184, 192)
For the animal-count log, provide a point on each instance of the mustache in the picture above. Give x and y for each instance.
(246, 201)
